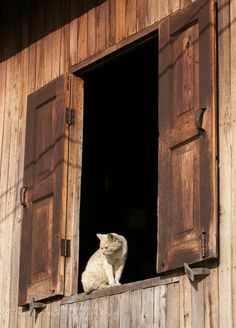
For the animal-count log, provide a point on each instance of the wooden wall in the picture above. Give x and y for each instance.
(52, 39)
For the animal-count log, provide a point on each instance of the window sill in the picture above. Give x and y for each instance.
(153, 282)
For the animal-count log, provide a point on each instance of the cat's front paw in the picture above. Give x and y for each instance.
(117, 284)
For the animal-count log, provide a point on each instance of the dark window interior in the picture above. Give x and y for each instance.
(119, 172)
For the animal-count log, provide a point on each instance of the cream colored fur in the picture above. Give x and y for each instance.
(106, 265)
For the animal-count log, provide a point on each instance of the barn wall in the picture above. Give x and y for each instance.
(75, 34)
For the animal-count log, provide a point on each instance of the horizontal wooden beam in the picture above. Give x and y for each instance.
(153, 282)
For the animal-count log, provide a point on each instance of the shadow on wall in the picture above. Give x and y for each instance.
(23, 22)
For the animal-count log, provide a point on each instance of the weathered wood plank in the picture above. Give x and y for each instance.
(74, 32)
(110, 22)
(130, 17)
(125, 310)
(23, 84)
(225, 148)
(142, 14)
(172, 306)
(163, 9)
(147, 307)
(114, 313)
(103, 312)
(46, 316)
(64, 316)
(233, 190)
(185, 303)
(83, 31)
(211, 300)
(136, 307)
(160, 307)
(91, 27)
(11, 178)
(198, 305)
(120, 20)
(55, 314)
(152, 282)
(100, 26)
(93, 314)
(3, 170)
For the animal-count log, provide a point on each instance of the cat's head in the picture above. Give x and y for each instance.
(109, 243)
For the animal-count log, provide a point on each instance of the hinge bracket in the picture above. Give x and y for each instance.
(204, 244)
(193, 272)
(36, 306)
(65, 247)
(69, 116)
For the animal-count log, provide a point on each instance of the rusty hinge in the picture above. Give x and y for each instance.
(36, 306)
(23, 196)
(204, 244)
(65, 247)
(69, 116)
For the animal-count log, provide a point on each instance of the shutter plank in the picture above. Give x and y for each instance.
(187, 157)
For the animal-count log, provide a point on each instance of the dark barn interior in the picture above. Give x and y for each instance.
(120, 149)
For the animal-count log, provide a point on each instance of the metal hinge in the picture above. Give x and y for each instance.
(204, 244)
(36, 306)
(69, 117)
(65, 247)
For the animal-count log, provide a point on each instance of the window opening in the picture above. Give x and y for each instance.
(120, 149)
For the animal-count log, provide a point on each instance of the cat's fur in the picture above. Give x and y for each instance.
(106, 265)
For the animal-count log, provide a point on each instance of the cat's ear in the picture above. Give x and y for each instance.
(100, 236)
(110, 237)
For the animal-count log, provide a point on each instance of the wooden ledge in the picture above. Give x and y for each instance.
(153, 282)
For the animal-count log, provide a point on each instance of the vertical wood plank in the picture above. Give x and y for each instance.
(211, 300)
(174, 5)
(73, 32)
(142, 14)
(3, 170)
(160, 307)
(172, 306)
(233, 179)
(46, 316)
(73, 315)
(185, 303)
(91, 27)
(198, 311)
(100, 25)
(55, 314)
(125, 310)
(136, 309)
(163, 9)
(152, 11)
(15, 246)
(11, 129)
(20, 319)
(103, 312)
(65, 37)
(83, 31)
(225, 148)
(120, 20)
(93, 314)
(110, 22)
(114, 313)
(147, 307)
(64, 316)
(130, 17)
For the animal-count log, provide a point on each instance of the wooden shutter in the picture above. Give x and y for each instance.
(187, 138)
(45, 177)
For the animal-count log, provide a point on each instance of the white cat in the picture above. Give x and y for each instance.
(106, 265)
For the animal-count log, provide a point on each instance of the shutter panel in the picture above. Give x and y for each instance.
(45, 176)
(187, 138)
